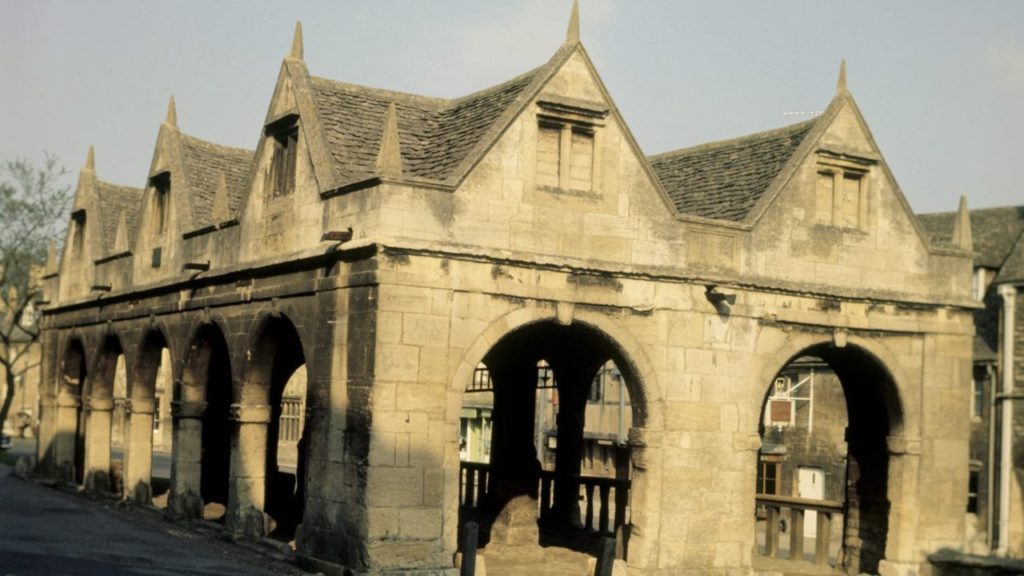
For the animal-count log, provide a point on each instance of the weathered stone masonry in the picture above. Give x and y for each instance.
(391, 243)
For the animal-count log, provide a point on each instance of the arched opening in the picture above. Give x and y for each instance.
(544, 444)
(147, 471)
(70, 416)
(276, 380)
(823, 467)
(202, 429)
(103, 472)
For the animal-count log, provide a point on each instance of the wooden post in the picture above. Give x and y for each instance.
(821, 544)
(470, 532)
(796, 533)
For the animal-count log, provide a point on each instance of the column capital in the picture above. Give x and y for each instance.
(140, 406)
(1007, 291)
(899, 445)
(182, 409)
(100, 404)
(68, 401)
(250, 413)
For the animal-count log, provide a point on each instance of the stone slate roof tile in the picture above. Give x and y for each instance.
(115, 200)
(436, 134)
(993, 231)
(724, 180)
(1013, 267)
(204, 163)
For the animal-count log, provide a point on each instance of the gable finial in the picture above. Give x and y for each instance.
(389, 158)
(841, 83)
(90, 160)
(572, 34)
(219, 213)
(297, 42)
(962, 236)
(172, 113)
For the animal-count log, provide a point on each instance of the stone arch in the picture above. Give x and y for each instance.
(99, 407)
(143, 367)
(875, 436)
(646, 403)
(202, 428)
(275, 351)
(70, 438)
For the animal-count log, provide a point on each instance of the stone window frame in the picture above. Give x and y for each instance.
(842, 167)
(572, 117)
(283, 135)
(78, 221)
(160, 185)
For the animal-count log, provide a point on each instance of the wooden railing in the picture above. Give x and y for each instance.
(606, 500)
(797, 507)
(473, 483)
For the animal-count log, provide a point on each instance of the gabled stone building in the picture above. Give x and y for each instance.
(389, 244)
(995, 500)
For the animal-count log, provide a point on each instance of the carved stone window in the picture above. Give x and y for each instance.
(77, 233)
(566, 135)
(161, 190)
(841, 191)
(284, 137)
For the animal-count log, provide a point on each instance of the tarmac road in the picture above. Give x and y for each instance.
(44, 531)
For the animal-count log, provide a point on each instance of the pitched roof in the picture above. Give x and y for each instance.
(115, 200)
(436, 134)
(204, 163)
(724, 180)
(1013, 267)
(993, 230)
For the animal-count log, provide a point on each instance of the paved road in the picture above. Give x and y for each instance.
(46, 531)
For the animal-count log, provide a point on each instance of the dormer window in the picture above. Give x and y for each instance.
(161, 190)
(566, 133)
(284, 137)
(77, 233)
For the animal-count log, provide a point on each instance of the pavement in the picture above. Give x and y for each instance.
(49, 531)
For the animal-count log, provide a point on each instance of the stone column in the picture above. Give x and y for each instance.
(573, 387)
(97, 444)
(248, 478)
(45, 444)
(1006, 366)
(514, 465)
(187, 459)
(901, 537)
(138, 457)
(66, 435)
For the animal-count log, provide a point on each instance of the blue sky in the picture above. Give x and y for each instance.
(941, 83)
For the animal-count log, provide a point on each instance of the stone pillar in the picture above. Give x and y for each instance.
(573, 387)
(187, 459)
(66, 435)
(1006, 367)
(901, 538)
(138, 457)
(514, 464)
(248, 478)
(97, 444)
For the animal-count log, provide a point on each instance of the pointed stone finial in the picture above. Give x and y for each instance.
(51, 257)
(389, 159)
(297, 42)
(962, 236)
(172, 113)
(572, 35)
(90, 160)
(219, 213)
(121, 235)
(841, 83)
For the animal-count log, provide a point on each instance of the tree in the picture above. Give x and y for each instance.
(33, 215)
